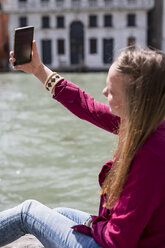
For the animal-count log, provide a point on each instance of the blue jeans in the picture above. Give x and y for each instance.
(52, 227)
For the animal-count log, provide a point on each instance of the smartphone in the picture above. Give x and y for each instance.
(23, 38)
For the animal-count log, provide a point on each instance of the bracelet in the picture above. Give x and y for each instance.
(52, 80)
(49, 77)
(88, 222)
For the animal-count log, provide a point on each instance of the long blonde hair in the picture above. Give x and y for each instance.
(145, 110)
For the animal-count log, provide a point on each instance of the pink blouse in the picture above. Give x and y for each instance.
(138, 218)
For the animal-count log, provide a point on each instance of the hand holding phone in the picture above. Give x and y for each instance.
(32, 63)
(23, 39)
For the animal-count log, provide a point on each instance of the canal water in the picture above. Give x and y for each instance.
(46, 153)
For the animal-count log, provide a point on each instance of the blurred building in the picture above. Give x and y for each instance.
(81, 34)
(156, 25)
(4, 40)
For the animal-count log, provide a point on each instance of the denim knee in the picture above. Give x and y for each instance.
(26, 209)
(60, 210)
(27, 204)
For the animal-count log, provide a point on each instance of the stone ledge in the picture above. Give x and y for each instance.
(27, 241)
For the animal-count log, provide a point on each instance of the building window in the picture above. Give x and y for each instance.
(131, 20)
(131, 1)
(44, 2)
(60, 22)
(93, 46)
(59, 3)
(92, 3)
(47, 51)
(93, 21)
(61, 46)
(76, 3)
(108, 45)
(23, 21)
(22, 3)
(108, 2)
(45, 22)
(108, 21)
(131, 43)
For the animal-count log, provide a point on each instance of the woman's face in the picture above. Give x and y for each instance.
(114, 91)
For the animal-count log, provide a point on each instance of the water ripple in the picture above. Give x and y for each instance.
(47, 153)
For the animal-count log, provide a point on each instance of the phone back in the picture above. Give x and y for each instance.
(23, 45)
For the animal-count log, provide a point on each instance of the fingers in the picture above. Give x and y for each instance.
(17, 67)
(34, 43)
(34, 49)
(12, 60)
(34, 63)
(11, 53)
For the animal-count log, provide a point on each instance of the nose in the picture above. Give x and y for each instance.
(105, 92)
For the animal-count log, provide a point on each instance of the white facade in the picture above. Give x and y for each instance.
(79, 11)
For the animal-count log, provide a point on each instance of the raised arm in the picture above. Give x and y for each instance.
(85, 107)
(71, 96)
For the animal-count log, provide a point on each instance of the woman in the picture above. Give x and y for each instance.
(132, 204)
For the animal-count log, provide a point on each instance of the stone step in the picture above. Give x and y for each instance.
(27, 241)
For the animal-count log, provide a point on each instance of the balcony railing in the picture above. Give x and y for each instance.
(38, 5)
